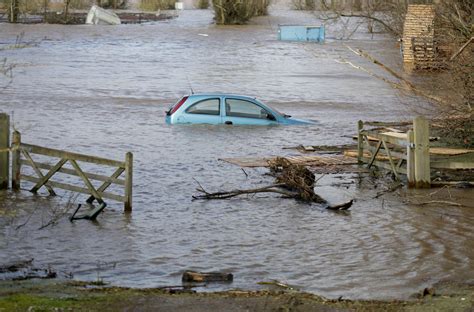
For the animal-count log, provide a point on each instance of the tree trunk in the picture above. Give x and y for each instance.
(14, 11)
(66, 9)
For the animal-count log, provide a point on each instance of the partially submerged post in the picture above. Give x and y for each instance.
(360, 142)
(16, 162)
(422, 152)
(128, 181)
(4, 152)
(411, 158)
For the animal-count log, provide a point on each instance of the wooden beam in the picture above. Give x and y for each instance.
(106, 184)
(98, 177)
(38, 172)
(374, 155)
(73, 188)
(392, 164)
(88, 183)
(48, 176)
(34, 149)
(387, 138)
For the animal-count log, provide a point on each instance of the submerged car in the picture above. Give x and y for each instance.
(226, 109)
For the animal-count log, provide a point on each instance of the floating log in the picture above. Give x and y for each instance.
(201, 277)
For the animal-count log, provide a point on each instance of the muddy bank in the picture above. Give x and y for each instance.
(41, 295)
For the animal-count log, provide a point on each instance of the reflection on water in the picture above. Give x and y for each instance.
(103, 91)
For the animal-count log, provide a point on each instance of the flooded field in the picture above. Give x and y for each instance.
(103, 91)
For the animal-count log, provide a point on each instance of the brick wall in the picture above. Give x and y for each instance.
(418, 36)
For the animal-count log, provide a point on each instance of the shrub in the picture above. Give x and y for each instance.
(203, 4)
(238, 12)
(155, 5)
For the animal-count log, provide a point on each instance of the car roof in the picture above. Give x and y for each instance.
(222, 94)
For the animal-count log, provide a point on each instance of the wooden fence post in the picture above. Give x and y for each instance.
(422, 152)
(410, 159)
(360, 142)
(5, 155)
(128, 182)
(16, 164)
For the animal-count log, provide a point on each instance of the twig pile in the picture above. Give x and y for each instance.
(291, 181)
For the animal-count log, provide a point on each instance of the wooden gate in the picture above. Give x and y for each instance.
(22, 156)
(408, 152)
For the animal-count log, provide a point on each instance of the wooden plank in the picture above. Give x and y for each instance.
(397, 155)
(392, 164)
(387, 123)
(399, 135)
(387, 138)
(374, 154)
(106, 184)
(88, 183)
(93, 176)
(315, 161)
(449, 151)
(72, 156)
(73, 188)
(452, 164)
(48, 176)
(38, 172)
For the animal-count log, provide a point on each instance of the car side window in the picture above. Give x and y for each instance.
(205, 107)
(246, 109)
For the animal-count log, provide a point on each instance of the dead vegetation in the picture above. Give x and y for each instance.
(291, 181)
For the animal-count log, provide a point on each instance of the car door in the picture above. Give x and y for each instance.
(245, 112)
(204, 111)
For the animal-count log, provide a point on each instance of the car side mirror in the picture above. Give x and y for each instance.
(271, 117)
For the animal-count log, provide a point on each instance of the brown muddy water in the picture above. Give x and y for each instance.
(103, 90)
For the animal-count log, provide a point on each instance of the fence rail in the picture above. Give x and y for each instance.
(41, 174)
(22, 157)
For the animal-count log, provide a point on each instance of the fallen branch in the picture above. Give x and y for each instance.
(279, 284)
(440, 202)
(292, 181)
(461, 49)
(407, 85)
(225, 195)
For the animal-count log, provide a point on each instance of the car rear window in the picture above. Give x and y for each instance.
(176, 106)
(205, 107)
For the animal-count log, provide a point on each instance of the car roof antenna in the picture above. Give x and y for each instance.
(190, 86)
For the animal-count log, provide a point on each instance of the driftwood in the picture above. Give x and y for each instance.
(291, 181)
(278, 284)
(202, 277)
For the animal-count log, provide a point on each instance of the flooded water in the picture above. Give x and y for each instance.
(103, 90)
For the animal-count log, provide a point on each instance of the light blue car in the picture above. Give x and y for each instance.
(226, 109)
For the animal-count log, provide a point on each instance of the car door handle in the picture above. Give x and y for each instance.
(228, 122)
